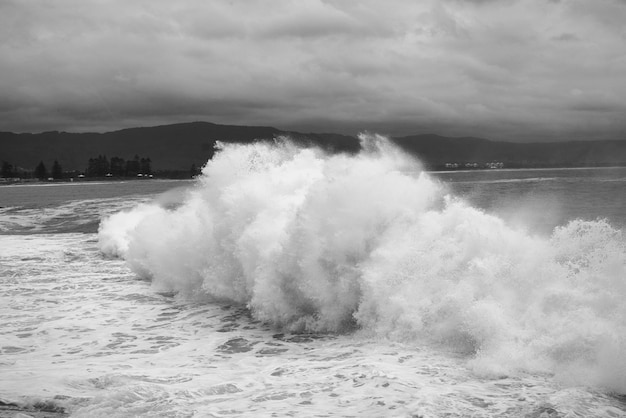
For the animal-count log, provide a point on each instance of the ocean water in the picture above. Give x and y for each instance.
(286, 282)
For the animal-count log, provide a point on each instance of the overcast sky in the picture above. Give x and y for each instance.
(502, 69)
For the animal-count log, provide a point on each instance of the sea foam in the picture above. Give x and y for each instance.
(370, 242)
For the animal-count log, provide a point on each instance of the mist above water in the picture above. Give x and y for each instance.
(370, 242)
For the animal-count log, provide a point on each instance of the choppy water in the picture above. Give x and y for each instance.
(285, 282)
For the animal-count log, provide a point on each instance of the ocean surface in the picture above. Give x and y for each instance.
(286, 282)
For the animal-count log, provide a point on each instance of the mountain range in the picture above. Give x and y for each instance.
(178, 146)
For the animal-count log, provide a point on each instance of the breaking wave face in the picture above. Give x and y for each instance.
(315, 242)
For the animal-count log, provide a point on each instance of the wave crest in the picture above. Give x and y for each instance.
(318, 242)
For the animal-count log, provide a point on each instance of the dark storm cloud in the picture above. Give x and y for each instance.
(508, 69)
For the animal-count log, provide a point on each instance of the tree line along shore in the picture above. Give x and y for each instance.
(97, 168)
(179, 150)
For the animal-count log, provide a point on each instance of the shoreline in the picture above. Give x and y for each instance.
(102, 180)
(91, 181)
(613, 167)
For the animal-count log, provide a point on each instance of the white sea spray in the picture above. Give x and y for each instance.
(314, 242)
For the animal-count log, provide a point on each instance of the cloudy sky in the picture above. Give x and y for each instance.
(502, 69)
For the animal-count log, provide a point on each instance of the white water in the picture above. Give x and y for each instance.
(372, 245)
(415, 302)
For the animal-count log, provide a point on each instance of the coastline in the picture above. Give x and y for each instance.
(90, 181)
(102, 180)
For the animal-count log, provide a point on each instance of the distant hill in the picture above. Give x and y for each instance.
(178, 146)
(436, 151)
(170, 147)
